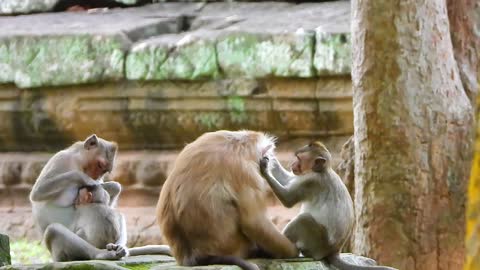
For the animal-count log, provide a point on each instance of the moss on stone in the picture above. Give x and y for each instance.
(261, 55)
(332, 53)
(209, 120)
(236, 106)
(59, 60)
(161, 61)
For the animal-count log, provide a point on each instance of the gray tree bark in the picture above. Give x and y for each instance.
(413, 124)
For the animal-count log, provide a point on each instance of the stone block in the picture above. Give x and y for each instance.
(10, 172)
(151, 172)
(334, 87)
(81, 48)
(182, 57)
(167, 114)
(332, 53)
(257, 55)
(5, 258)
(175, 41)
(30, 171)
(25, 6)
(159, 262)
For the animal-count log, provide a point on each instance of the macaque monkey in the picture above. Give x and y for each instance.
(212, 207)
(326, 217)
(75, 209)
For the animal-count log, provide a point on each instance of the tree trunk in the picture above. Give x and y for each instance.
(413, 135)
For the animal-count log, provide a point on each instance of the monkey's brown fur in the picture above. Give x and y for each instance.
(213, 202)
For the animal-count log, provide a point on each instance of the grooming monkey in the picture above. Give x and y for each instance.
(74, 208)
(212, 207)
(326, 218)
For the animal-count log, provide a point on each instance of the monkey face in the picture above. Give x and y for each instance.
(97, 167)
(302, 163)
(296, 168)
(100, 156)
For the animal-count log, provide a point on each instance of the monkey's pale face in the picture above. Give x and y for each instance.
(97, 167)
(100, 158)
(303, 163)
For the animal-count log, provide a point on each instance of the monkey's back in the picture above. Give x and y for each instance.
(198, 206)
(98, 224)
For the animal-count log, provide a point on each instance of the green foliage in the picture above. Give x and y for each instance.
(29, 252)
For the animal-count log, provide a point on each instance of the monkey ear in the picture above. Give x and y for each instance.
(319, 164)
(91, 142)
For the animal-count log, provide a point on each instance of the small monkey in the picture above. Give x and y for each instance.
(326, 218)
(75, 209)
(212, 207)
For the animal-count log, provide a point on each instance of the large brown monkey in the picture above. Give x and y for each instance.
(212, 207)
(326, 217)
(74, 231)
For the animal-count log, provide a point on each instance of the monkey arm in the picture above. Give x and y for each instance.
(283, 176)
(290, 194)
(122, 240)
(113, 188)
(50, 188)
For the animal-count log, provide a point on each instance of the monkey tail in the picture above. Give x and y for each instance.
(228, 260)
(150, 250)
(341, 264)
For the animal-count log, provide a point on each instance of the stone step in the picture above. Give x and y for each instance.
(141, 173)
(176, 41)
(159, 262)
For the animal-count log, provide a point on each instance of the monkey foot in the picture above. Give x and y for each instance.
(118, 248)
(113, 252)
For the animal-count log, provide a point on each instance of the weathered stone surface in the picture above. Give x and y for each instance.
(252, 40)
(332, 53)
(81, 48)
(167, 114)
(182, 56)
(31, 170)
(158, 262)
(10, 172)
(25, 6)
(413, 136)
(151, 172)
(4, 250)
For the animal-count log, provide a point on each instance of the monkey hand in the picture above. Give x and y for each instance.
(264, 165)
(84, 196)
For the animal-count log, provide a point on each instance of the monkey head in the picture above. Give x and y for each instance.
(311, 157)
(100, 155)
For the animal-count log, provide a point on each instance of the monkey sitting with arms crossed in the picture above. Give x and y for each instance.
(326, 217)
(75, 209)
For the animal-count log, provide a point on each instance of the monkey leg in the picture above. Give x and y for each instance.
(64, 245)
(310, 237)
(262, 232)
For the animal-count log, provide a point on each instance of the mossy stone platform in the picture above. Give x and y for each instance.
(165, 262)
(176, 41)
